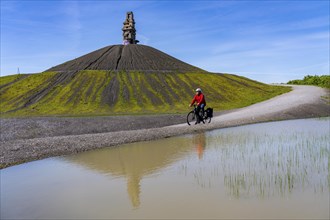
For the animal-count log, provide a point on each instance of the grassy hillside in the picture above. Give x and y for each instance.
(95, 92)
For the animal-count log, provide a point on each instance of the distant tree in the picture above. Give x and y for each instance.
(322, 81)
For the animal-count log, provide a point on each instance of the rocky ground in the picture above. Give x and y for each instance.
(39, 127)
(27, 139)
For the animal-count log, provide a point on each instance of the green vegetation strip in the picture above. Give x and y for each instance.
(322, 81)
(95, 92)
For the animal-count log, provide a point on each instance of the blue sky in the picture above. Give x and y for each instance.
(269, 41)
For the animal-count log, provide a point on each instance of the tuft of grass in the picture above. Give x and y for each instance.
(92, 92)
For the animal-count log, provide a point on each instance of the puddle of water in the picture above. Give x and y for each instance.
(270, 170)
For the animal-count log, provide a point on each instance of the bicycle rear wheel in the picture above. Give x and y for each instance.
(208, 119)
(191, 118)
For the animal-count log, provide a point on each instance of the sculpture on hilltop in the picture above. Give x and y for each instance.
(129, 31)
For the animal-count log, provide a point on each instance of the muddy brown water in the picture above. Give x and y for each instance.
(277, 170)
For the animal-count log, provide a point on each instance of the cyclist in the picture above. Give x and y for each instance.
(199, 98)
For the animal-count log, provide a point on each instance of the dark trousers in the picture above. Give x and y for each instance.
(200, 113)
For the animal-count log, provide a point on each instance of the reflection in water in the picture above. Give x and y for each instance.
(134, 161)
(261, 160)
(199, 141)
(274, 170)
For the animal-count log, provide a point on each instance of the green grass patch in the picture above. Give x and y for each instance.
(15, 95)
(11, 78)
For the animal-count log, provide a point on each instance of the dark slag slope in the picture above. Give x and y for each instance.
(128, 58)
(139, 58)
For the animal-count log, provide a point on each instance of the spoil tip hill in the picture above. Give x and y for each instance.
(130, 79)
(132, 57)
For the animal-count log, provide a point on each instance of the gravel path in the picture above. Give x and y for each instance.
(30, 139)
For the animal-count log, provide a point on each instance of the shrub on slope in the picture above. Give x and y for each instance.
(322, 81)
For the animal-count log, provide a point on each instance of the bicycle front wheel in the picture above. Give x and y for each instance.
(191, 118)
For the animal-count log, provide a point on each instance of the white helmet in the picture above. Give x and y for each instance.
(198, 90)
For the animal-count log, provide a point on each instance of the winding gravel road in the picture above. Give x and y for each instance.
(302, 102)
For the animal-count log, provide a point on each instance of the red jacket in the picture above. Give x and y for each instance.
(199, 98)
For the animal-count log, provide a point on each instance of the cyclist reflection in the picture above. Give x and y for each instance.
(199, 142)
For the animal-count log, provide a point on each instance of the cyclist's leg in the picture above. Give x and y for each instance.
(202, 111)
(202, 108)
(198, 109)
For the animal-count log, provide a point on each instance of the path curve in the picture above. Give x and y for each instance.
(302, 102)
